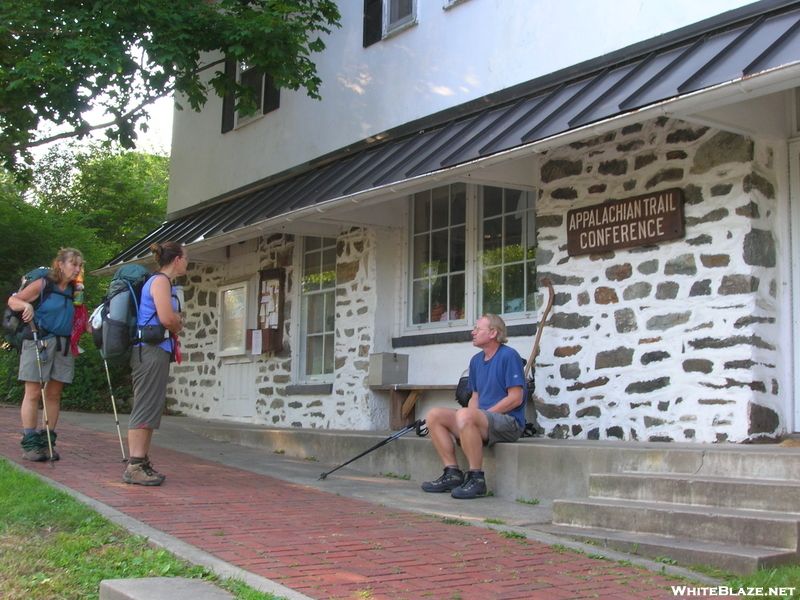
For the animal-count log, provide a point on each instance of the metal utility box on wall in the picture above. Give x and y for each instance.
(387, 368)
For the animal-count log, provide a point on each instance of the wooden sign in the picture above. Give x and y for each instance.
(627, 223)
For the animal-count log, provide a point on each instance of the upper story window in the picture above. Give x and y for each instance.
(267, 96)
(384, 17)
(468, 237)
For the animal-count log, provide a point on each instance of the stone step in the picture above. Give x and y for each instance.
(744, 493)
(733, 558)
(161, 588)
(709, 524)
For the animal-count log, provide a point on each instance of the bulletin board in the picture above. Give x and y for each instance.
(268, 336)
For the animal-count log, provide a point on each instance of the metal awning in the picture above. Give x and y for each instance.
(586, 94)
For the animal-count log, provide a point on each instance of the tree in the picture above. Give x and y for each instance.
(120, 195)
(61, 58)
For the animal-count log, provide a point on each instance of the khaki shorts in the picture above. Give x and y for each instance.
(55, 365)
(502, 428)
(150, 375)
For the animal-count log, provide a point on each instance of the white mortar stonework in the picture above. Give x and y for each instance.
(196, 384)
(668, 342)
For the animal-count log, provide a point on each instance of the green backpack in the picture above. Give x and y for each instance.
(14, 328)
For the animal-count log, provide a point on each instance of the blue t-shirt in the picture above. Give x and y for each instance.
(492, 378)
(147, 310)
(54, 315)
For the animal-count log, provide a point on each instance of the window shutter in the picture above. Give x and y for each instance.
(229, 101)
(373, 21)
(272, 95)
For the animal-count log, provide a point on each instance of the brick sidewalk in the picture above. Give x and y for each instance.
(324, 545)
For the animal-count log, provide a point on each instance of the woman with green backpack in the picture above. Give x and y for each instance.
(46, 358)
(159, 322)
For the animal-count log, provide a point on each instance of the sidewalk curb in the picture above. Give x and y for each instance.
(187, 552)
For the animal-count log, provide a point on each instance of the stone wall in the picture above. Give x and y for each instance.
(669, 342)
(196, 385)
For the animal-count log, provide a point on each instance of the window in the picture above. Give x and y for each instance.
(508, 247)
(383, 17)
(439, 254)
(267, 96)
(318, 302)
(471, 237)
(233, 319)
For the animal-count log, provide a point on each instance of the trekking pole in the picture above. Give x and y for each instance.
(541, 327)
(35, 332)
(418, 425)
(114, 406)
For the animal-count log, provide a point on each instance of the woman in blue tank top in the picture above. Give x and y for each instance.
(159, 321)
(53, 318)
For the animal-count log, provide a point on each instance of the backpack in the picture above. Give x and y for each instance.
(14, 328)
(114, 320)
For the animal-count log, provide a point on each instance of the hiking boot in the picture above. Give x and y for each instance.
(46, 448)
(474, 485)
(450, 479)
(32, 448)
(142, 473)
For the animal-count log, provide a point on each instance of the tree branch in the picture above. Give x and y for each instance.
(84, 130)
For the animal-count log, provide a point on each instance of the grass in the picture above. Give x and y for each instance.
(52, 547)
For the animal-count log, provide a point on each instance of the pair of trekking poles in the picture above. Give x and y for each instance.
(37, 344)
(419, 426)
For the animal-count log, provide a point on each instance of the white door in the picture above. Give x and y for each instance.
(238, 389)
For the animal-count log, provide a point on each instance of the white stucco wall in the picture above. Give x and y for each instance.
(449, 57)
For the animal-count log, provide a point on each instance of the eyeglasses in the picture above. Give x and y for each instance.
(481, 329)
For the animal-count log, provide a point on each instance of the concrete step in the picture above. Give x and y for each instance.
(733, 558)
(744, 493)
(161, 588)
(706, 524)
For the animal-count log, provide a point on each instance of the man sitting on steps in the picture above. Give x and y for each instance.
(496, 411)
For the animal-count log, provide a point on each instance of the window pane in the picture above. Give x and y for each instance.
(314, 351)
(458, 205)
(458, 249)
(329, 268)
(514, 289)
(311, 272)
(492, 252)
(315, 314)
(441, 207)
(330, 311)
(422, 209)
(399, 9)
(421, 255)
(492, 201)
(327, 356)
(530, 287)
(513, 238)
(457, 298)
(512, 201)
(233, 315)
(492, 290)
(439, 299)
(439, 249)
(419, 302)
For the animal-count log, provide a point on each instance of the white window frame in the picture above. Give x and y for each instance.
(239, 348)
(473, 282)
(391, 27)
(301, 374)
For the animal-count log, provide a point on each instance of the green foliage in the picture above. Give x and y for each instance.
(60, 59)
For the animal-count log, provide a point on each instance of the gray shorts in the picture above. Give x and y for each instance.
(502, 428)
(55, 365)
(150, 375)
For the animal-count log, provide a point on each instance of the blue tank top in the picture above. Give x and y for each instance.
(147, 310)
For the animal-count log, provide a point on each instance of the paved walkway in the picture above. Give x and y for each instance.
(323, 544)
